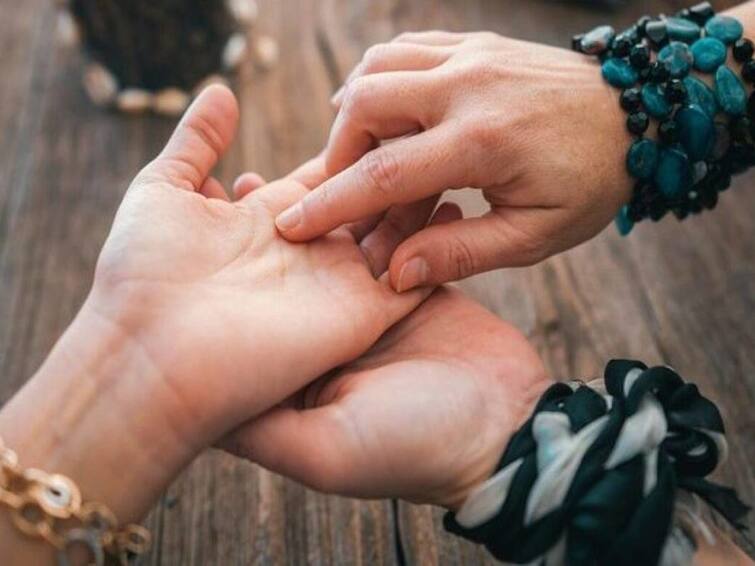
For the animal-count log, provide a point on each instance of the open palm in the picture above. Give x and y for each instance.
(234, 317)
(424, 415)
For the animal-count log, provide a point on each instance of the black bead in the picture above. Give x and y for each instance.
(708, 199)
(576, 42)
(644, 75)
(657, 211)
(667, 132)
(637, 210)
(685, 13)
(638, 122)
(739, 158)
(751, 105)
(675, 91)
(739, 128)
(694, 206)
(680, 213)
(702, 12)
(722, 182)
(639, 56)
(659, 73)
(743, 50)
(656, 32)
(630, 99)
(621, 46)
(748, 71)
(641, 23)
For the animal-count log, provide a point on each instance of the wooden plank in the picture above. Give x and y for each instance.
(680, 293)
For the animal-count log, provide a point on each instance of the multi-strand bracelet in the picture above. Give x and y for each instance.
(50, 507)
(704, 135)
(608, 475)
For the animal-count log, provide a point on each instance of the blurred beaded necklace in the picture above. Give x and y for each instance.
(156, 54)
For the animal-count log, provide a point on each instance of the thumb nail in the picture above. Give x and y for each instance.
(414, 273)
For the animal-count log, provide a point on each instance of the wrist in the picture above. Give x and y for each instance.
(502, 426)
(99, 412)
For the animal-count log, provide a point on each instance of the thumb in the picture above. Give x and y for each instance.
(198, 142)
(449, 251)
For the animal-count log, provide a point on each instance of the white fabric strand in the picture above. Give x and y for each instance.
(486, 501)
(561, 462)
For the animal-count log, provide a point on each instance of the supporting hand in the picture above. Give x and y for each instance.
(424, 415)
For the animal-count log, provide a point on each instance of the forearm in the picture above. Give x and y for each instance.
(98, 412)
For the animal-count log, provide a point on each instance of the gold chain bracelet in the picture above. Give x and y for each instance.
(49, 507)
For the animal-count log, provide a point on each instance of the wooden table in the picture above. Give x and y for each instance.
(678, 293)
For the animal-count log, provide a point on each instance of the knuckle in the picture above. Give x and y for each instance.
(485, 133)
(207, 132)
(382, 172)
(321, 199)
(374, 57)
(486, 36)
(461, 259)
(356, 97)
(407, 36)
(531, 246)
(482, 72)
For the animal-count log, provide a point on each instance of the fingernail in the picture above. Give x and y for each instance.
(413, 274)
(289, 219)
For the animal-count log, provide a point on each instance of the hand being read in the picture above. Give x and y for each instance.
(424, 415)
(233, 317)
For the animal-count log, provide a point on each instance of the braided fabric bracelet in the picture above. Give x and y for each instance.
(704, 135)
(593, 478)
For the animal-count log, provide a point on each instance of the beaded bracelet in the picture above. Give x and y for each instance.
(50, 507)
(604, 476)
(695, 154)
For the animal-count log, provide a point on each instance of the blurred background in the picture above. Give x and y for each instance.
(680, 293)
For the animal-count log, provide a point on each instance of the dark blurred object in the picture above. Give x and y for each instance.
(611, 4)
(153, 54)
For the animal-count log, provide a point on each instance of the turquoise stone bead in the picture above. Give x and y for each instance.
(654, 101)
(730, 92)
(679, 29)
(725, 28)
(709, 54)
(624, 224)
(642, 159)
(619, 73)
(701, 95)
(696, 132)
(677, 58)
(673, 174)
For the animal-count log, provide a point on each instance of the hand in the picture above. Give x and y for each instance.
(200, 317)
(424, 415)
(535, 127)
(234, 317)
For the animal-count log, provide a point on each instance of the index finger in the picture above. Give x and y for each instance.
(398, 173)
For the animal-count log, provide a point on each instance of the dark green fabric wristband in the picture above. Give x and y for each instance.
(617, 506)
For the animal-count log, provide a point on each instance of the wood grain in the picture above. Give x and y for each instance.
(682, 293)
